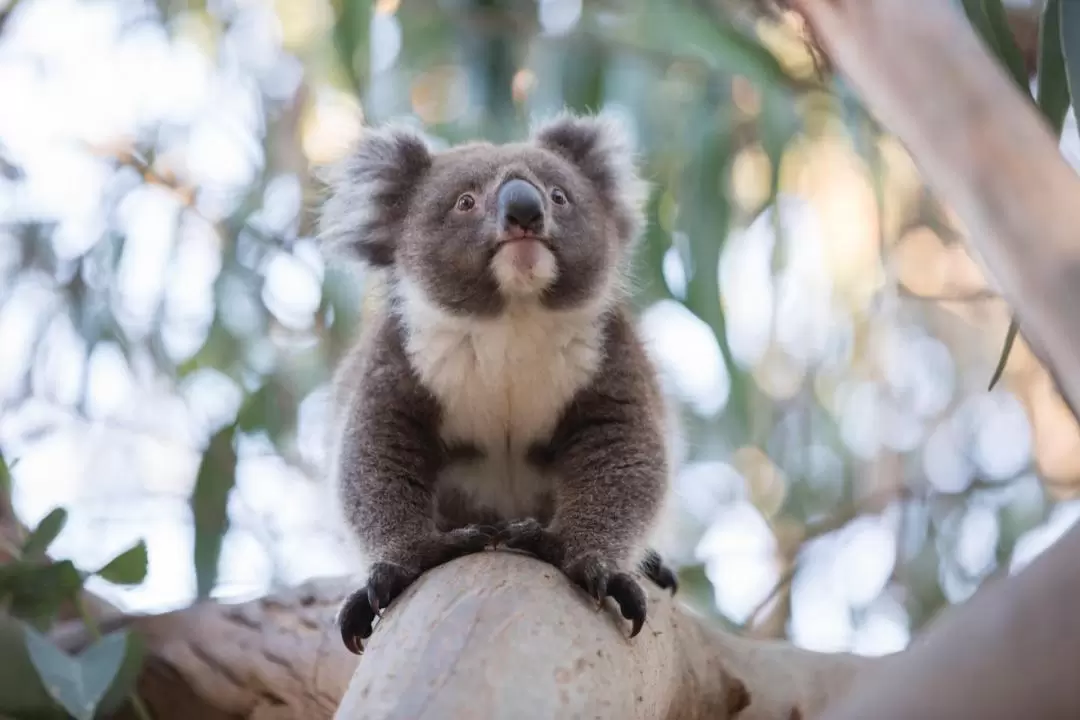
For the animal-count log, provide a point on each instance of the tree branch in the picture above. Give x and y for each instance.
(502, 635)
(493, 635)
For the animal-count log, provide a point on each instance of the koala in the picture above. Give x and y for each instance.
(498, 394)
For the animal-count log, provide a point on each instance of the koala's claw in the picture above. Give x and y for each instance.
(625, 591)
(357, 614)
(599, 579)
(652, 565)
(388, 580)
(532, 537)
(465, 541)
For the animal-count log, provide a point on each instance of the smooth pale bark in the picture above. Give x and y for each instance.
(1014, 649)
(503, 635)
(490, 636)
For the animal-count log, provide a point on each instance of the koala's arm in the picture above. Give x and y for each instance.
(389, 458)
(609, 457)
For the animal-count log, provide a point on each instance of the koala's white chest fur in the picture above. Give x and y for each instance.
(503, 384)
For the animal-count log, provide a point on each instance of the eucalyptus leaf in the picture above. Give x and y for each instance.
(1052, 93)
(272, 408)
(77, 683)
(777, 125)
(22, 694)
(123, 684)
(989, 20)
(1069, 18)
(350, 37)
(44, 534)
(37, 590)
(209, 506)
(1010, 338)
(680, 29)
(5, 477)
(1008, 50)
(705, 182)
(127, 568)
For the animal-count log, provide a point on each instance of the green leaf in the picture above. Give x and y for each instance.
(78, 684)
(272, 408)
(209, 506)
(44, 534)
(127, 568)
(989, 20)
(777, 125)
(678, 29)
(1008, 50)
(37, 590)
(350, 37)
(1052, 92)
(5, 477)
(705, 189)
(1069, 17)
(1010, 338)
(22, 694)
(123, 684)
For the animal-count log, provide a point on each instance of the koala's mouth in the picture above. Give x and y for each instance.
(508, 240)
(527, 238)
(516, 234)
(524, 266)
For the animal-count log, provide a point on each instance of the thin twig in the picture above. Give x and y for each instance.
(974, 296)
(815, 530)
(781, 584)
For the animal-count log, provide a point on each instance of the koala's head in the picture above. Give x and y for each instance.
(551, 220)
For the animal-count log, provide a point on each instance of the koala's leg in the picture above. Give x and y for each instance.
(608, 456)
(654, 568)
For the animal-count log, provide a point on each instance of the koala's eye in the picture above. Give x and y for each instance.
(465, 203)
(558, 196)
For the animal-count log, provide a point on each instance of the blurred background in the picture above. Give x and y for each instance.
(168, 327)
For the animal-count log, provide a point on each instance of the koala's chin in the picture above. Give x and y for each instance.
(524, 267)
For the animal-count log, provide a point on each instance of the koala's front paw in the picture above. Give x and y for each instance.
(532, 537)
(357, 614)
(600, 579)
(595, 575)
(387, 580)
(456, 543)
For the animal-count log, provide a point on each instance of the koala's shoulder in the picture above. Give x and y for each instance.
(377, 365)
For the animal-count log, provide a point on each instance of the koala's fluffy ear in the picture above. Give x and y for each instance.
(601, 147)
(370, 191)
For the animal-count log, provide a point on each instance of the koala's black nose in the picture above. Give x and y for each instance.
(521, 205)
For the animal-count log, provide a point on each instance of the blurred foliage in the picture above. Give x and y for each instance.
(724, 111)
(39, 679)
(1052, 94)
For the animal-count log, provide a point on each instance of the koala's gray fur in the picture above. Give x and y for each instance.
(484, 403)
